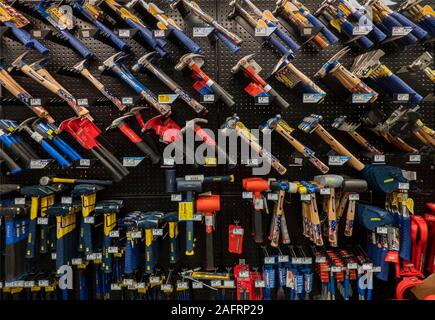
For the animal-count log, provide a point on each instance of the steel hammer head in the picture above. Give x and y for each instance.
(25, 124)
(354, 185)
(341, 124)
(144, 61)
(365, 62)
(323, 5)
(115, 123)
(270, 125)
(329, 180)
(109, 62)
(309, 124)
(242, 62)
(189, 59)
(81, 65)
(192, 124)
(19, 62)
(137, 110)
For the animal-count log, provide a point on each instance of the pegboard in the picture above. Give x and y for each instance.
(144, 188)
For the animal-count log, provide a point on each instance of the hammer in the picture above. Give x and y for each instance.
(194, 62)
(209, 205)
(310, 212)
(245, 65)
(341, 124)
(133, 137)
(172, 219)
(145, 62)
(84, 71)
(352, 186)
(45, 181)
(331, 181)
(279, 125)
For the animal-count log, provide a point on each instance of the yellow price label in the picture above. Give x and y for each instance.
(185, 211)
(210, 162)
(410, 205)
(164, 98)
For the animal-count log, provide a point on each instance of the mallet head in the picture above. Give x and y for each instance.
(44, 181)
(329, 180)
(174, 4)
(115, 123)
(309, 124)
(189, 59)
(242, 62)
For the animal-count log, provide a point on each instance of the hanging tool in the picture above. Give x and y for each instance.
(172, 219)
(12, 165)
(276, 123)
(424, 16)
(258, 86)
(204, 84)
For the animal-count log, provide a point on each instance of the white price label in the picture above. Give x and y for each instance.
(337, 160)
(382, 230)
(76, 261)
(229, 284)
(37, 33)
(238, 231)
(53, 256)
(85, 162)
(198, 217)
(66, 200)
(157, 232)
(208, 98)
(197, 177)
(336, 269)
(272, 196)
(166, 287)
(140, 285)
(367, 266)
(115, 287)
(305, 197)
(43, 283)
(352, 266)
(400, 31)
(89, 220)
(379, 158)
(362, 97)
(136, 234)
(128, 282)
(86, 34)
(176, 197)
(244, 274)
(113, 249)
(320, 259)
(403, 186)
(259, 284)
(269, 260)
(264, 32)
(114, 234)
(39, 163)
(202, 32)
(312, 97)
(247, 195)
(20, 201)
(182, 285)
(354, 197)
(168, 162)
(362, 30)
(197, 285)
(262, 100)
(35, 102)
(154, 280)
(283, 259)
(29, 284)
(132, 161)
(83, 102)
(124, 33)
(377, 269)
(159, 33)
(402, 97)
(297, 261)
(415, 158)
(91, 257)
(325, 191)
(127, 100)
(42, 221)
(216, 283)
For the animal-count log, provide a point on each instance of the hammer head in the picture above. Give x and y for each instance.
(39, 64)
(209, 203)
(194, 186)
(192, 124)
(282, 63)
(174, 4)
(143, 61)
(109, 62)
(137, 110)
(189, 59)
(44, 181)
(323, 6)
(115, 123)
(80, 66)
(341, 124)
(19, 62)
(355, 185)
(242, 62)
(329, 180)
(270, 125)
(309, 124)
(364, 63)
(25, 124)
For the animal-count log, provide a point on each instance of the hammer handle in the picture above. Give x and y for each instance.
(13, 166)
(116, 175)
(339, 148)
(305, 151)
(343, 202)
(209, 266)
(350, 217)
(364, 142)
(317, 229)
(332, 219)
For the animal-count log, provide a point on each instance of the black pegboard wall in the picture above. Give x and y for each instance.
(143, 189)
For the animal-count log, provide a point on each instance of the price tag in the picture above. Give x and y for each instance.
(89, 220)
(208, 98)
(400, 31)
(367, 266)
(20, 201)
(166, 287)
(37, 33)
(216, 283)
(238, 231)
(127, 100)
(337, 160)
(297, 261)
(198, 177)
(113, 249)
(182, 285)
(43, 283)
(202, 32)
(379, 158)
(305, 197)
(185, 211)
(91, 257)
(252, 162)
(402, 97)
(155, 280)
(264, 32)
(362, 97)
(39, 163)
(124, 33)
(403, 186)
(272, 196)
(229, 284)
(197, 285)
(140, 285)
(128, 282)
(86, 34)
(35, 102)
(115, 287)
(198, 217)
(85, 162)
(53, 256)
(307, 260)
(320, 259)
(313, 97)
(377, 269)
(259, 284)
(336, 269)
(325, 191)
(298, 161)
(167, 98)
(307, 31)
(352, 266)
(131, 161)
(382, 230)
(66, 200)
(136, 234)
(76, 261)
(414, 158)
(262, 100)
(283, 259)
(362, 30)
(354, 197)
(114, 234)
(42, 221)
(29, 284)
(247, 195)
(159, 33)
(98, 256)
(244, 274)
(176, 197)
(168, 162)
(157, 232)
(269, 260)
(83, 102)
(1, 285)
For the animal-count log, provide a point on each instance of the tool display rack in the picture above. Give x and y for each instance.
(144, 188)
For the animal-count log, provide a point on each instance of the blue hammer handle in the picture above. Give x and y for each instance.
(26, 39)
(405, 241)
(389, 23)
(233, 47)
(364, 42)
(30, 250)
(56, 155)
(332, 38)
(117, 41)
(274, 41)
(157, 44)
(429, 25)
(66, 149)
(417, 31)
(189, 227)
(393, 85)
(292, 44)
(187, 42)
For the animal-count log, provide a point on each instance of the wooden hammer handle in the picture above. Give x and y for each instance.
(332, 219)
(318, 240)
(339, 148)
(364, 142)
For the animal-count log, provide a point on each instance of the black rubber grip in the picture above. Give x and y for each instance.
(148, 151)
(209, 266)
(13, 166)
(279, 101)
(258, 227)
(116, 175)
(113, 160)
(28, 149)
(20, 153)
(225, 96)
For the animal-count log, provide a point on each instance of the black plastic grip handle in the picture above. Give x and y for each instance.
(224, 95)
(278, 99)
(12, 165)
(148, 151)
(258, 227)
(209, 266)
(113, 171)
